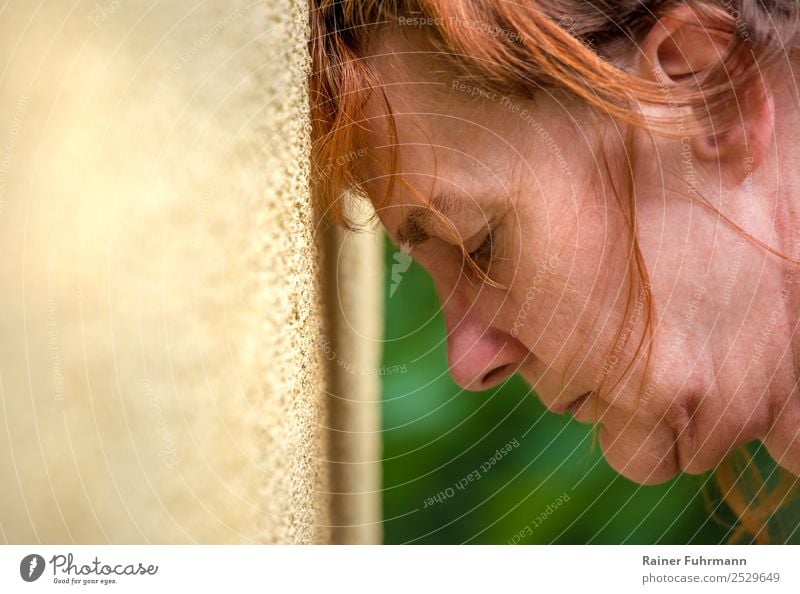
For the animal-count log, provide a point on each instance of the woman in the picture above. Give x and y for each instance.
(606, 197)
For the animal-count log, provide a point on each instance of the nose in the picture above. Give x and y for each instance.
(481, 357)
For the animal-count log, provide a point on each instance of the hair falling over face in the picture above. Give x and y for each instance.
(574, 47)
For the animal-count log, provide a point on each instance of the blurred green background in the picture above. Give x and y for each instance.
(553, 488)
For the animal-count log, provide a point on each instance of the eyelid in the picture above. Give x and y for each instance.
(478, 238)
(484, 251)
(486, 238)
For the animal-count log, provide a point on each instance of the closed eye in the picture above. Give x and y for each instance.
(482, 255)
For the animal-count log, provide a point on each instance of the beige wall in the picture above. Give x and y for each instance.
(353, 264)
(162, 301)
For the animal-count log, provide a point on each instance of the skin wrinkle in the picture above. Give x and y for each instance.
(686, 429)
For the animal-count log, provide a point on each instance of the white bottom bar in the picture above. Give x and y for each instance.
(406, 570)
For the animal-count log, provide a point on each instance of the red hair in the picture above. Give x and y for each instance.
(568, 45)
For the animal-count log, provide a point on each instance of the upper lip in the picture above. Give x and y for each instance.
(572, 405)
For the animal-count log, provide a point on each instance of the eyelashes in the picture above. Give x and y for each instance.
(482, 255)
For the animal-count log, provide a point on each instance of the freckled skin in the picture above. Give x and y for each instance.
(542, 176)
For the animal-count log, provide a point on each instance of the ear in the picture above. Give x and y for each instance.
(684, 44)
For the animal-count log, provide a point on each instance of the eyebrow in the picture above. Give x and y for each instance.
(415, 229)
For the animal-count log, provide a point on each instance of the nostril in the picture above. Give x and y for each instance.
(495, 376)
(480, 358)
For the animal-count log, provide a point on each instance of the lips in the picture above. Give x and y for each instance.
(572, 406)
(576, 405)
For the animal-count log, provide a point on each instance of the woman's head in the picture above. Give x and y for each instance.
(604, 195)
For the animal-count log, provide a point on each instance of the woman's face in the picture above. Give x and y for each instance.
(548, 181)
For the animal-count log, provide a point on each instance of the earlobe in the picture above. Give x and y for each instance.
(748, 140)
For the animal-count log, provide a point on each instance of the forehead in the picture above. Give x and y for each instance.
(448, 141)
(427, 94)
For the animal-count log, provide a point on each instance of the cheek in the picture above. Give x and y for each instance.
(571, 303)
(572, 293)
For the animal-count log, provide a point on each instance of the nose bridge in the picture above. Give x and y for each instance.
(454, 303)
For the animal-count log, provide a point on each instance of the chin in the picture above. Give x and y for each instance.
(648, 476)
(641, 466)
